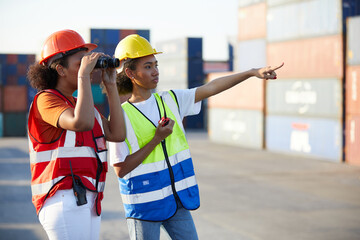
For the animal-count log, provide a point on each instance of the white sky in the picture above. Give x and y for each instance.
(25, 24)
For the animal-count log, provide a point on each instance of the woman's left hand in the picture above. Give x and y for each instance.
(267, 72)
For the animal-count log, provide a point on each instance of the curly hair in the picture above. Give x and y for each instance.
(43, 77)
(123, 82)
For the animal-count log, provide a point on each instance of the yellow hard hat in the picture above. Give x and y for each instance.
(134, 46)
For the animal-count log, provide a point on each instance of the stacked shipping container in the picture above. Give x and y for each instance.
(181, 67)
(107, 40)
(236, 116)
(15, 94)
(304, 107)
(352, 98)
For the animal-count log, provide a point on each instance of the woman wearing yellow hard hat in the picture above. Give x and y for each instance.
(154, 165)
(67, 137)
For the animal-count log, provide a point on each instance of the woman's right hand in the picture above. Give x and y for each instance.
(164, 131)
(88, 63)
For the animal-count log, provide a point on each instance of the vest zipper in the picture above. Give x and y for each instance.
(172, 178)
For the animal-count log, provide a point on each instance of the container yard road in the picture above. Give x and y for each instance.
(245, 194)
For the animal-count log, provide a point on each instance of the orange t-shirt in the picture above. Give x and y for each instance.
(50, 107)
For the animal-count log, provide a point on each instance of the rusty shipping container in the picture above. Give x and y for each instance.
(353, 40)
(303, 19)
(252, 22)
(352, 139)
(352, 98)
(15, 98)
(236, 127)
(305, 97)
(246, 95)
(320, 57)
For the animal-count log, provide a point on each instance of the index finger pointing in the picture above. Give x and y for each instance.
(278, 67)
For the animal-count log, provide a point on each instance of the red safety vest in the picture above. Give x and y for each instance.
(49, 162)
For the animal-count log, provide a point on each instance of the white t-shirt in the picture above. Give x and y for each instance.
(186, 100)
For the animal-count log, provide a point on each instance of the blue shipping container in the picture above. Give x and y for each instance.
(112, 36)
(1, 125)
(318, 137)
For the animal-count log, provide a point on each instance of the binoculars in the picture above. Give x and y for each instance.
(107, 62)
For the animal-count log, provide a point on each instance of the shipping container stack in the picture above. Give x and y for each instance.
(305, 106)
(236, 116)
(352, 93)
(107, 40)
(15, 94)
(181, 67)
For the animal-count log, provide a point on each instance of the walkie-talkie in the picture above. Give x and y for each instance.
(79, 190)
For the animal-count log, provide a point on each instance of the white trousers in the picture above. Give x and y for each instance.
(62, 219)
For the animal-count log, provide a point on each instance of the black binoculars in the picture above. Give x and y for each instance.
(107, 62)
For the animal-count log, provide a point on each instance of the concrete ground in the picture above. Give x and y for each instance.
(245, 194)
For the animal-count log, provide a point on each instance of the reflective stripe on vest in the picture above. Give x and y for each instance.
(168, 168)
(49, 162)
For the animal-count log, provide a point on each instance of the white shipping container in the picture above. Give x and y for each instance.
(250, 54)
(244, 3)
(171, 70)
(236, 127)
(305, 97)
(353, 41)
(304, 19)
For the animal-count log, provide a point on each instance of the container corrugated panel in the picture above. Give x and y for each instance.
(216, 66)
(272, 3)
(247, 95)
(173, 70)
(317, 137)
(15, 98)
(304, 19)
(252, 22)
(107, 39)
(15, 124)
(1, 98)
(183, 48)
(352, 139)
(195, 74)
(251, 54)
(171, 49)
(308, 58)
(196, 121)
(352, 92)
(144, 33)
(126, 32)
(194, 48)
(97, 36)
(1, 74)
(1, 124)
(236, 127)
(112, 36)
(31, 92)
(13, 68)
(351, 8)
(244, 3)
(305, 97)
(353, 40)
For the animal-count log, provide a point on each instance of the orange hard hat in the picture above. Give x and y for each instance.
(58, 44)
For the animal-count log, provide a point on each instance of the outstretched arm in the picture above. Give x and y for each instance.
(223, 83)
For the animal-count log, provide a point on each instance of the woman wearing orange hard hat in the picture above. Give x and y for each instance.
(154, 165)
(67, 137)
